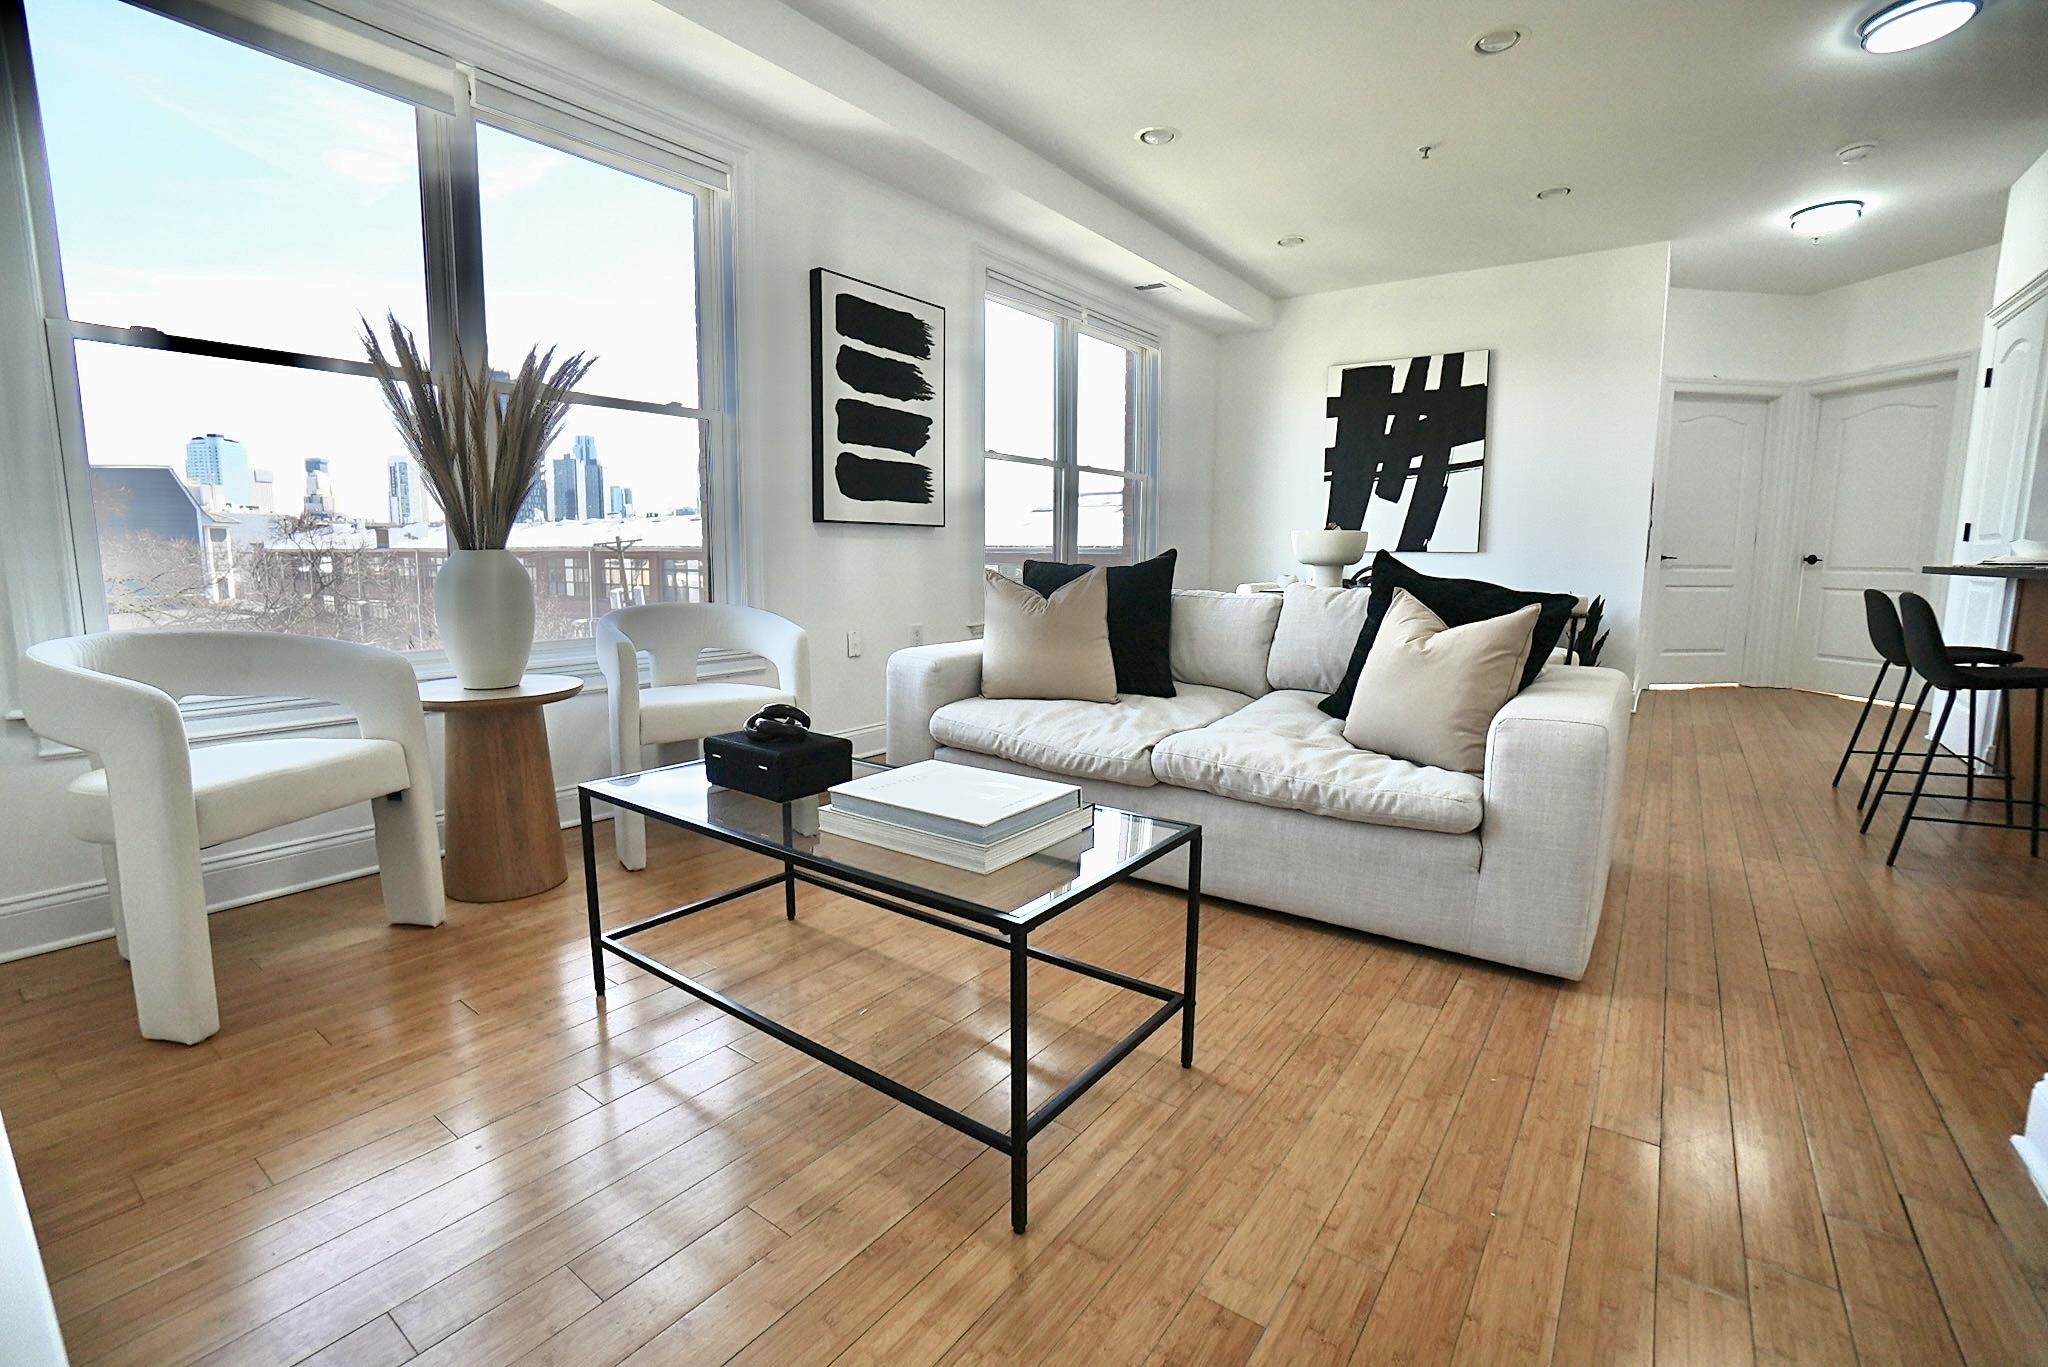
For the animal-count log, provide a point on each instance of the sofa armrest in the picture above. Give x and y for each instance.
(922, 680)
(1554, 761)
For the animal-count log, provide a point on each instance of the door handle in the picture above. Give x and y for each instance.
(1809, 560)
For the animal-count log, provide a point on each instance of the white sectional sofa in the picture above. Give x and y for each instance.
(1510, 866)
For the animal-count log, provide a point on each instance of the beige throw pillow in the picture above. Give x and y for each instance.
(1039, 647)
(1428, 692)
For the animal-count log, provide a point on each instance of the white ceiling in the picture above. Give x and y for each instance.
(1703, 123)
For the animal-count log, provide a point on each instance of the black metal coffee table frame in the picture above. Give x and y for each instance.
(960, 917)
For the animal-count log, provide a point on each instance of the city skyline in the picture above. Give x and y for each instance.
(287, 236)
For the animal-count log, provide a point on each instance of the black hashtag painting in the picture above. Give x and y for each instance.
(1395, 435)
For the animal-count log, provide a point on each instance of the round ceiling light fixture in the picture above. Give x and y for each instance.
(1157, 136)
(1914, 23)
(1498, 41)
(1291, 240)
(1554, 192)
(1817, 220)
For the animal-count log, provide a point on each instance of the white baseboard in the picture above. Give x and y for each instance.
(56, 918)
(2033, 1145)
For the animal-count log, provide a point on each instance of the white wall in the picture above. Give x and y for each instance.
(801, 212)
(1575, 377)
(1936, 309)
(795, 210)
(2023, 248)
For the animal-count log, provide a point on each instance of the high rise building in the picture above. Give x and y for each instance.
(593, 477)
(566, 486)
(622, 501)
(319, 489)
(220, 464)
(403, 501)
(534, 507)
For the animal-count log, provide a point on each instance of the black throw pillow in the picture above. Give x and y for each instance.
(1140, 617)
(1459, 602)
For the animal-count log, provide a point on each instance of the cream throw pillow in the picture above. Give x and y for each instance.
(1039, 647)
(1428, 692)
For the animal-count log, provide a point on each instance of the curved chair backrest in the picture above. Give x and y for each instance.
(1886, 636)
(1925, 648)
(377, 685)
(673, 633)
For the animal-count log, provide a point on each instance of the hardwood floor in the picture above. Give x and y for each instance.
(1772, 1122)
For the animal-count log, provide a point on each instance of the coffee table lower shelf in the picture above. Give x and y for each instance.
(1025, 1123)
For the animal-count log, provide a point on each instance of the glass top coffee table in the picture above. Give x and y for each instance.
(1000, 909)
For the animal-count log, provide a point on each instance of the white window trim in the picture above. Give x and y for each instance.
(1078, 309)
(46, 536)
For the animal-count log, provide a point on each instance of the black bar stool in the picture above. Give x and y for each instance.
(1929, 657)
(1889, 641)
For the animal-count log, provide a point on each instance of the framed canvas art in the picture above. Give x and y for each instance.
(878, 404)
(1406, 461)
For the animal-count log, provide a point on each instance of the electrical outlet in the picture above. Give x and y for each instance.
(917, 633)
(853, 645)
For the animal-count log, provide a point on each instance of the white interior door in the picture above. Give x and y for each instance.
(1872, 518)
(1707, 515)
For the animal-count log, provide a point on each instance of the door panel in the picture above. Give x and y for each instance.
(1872, 517)
(1706, 537)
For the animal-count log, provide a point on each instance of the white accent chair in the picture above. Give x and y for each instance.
(152, 802)
(678, 707)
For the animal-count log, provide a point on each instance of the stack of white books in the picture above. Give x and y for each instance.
(973, 819)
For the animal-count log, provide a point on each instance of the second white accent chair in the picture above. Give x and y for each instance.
(152, 802)
(677, 706)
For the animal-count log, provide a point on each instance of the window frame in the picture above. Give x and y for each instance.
(450, 100)
(1072, 319)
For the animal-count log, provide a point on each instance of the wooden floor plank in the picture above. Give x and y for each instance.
(1772, 1121)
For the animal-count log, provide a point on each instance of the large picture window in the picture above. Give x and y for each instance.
(223, 218)
(1069, 414)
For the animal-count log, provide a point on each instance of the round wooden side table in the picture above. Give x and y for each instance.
(504, 830)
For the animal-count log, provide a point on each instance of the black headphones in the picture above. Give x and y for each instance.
(779, 721)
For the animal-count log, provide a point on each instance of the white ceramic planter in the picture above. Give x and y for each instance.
(483, 601)
(1327, 553)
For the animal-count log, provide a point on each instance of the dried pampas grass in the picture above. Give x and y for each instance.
(478, 452)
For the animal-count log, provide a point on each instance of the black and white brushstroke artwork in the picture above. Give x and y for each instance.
(878, 404)
(1407, 453)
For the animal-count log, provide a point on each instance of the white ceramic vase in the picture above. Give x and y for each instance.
(483, 601)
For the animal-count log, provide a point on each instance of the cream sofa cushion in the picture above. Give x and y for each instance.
(1312, 641)
(1088, 740)
(1222, 640)
(1284, 751)
(247, 786)
(1429, 692)
(1057, 646)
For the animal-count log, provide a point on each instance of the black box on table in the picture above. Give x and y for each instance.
(779, 770)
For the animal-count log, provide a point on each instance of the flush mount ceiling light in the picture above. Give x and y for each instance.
(1499, 41)
(1291, 240)
(1817, 220)
(1855, 152)
(1157, 137)
(1914, 23)
(1554, 192)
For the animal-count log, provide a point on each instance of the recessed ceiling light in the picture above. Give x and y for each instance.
(1499, 41)
(1815, 220)
(1554, 192)
(1157, 137)
(1855, 152)
(1914, 23)
(1291, 240)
